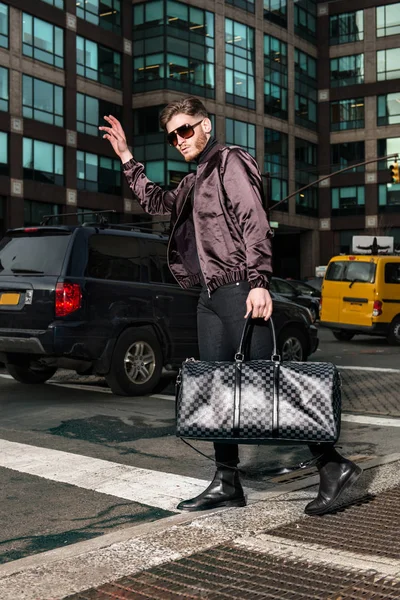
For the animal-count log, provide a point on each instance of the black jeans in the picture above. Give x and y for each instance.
(220, 321)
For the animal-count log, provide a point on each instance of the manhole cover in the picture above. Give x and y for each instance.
(231, 573)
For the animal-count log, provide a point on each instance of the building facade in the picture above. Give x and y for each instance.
(307, 87)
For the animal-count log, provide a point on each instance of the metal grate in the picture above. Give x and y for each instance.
(230, 573)
(364, 528)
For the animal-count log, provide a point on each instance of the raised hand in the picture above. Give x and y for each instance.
(116, 136)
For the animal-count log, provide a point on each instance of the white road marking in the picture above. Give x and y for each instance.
(368, 420)
(154, 488)
(377, 369)
(5, 376)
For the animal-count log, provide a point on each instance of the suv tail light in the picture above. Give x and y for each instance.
(68, 298)
(377, 309)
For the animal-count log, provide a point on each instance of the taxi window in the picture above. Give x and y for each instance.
(392, 273)
(351, 271)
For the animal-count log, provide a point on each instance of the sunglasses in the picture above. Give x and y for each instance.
(184, 131)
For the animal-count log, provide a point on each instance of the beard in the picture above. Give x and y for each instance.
(199, 145)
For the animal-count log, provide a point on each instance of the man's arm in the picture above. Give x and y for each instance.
(152, 198)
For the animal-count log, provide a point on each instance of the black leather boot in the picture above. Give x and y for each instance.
(224, 490)
(337, 474)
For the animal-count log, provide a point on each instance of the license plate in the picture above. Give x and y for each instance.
(9, 299)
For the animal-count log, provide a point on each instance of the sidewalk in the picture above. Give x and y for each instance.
(267, 550)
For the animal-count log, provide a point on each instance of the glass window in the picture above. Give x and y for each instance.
(347, 114)
(389, 109)
(347, 70)
(98, 62)
(114, 257)
(276, 164)
(348, 200)
(56, 3)
(240, 64)
(305, 19)
(3, 89)
(42, 41)
(98, 173)
(43, 161)
(388, 20)
(3, 25)
(173, 48)
(347, 154)
(42, 101)
(4, 153)
(34, 213)
(239, 133)
(90, 112)
(244, 4)
(275, 77)
(346, 27)
(386, 147)
(103, 13)
(154, 262)
(389, 198)
(392, 272)
(305, 67)
(350, 270)
(276, 11)
(306, 155)
(388, 64)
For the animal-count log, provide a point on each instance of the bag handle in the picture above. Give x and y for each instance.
(239, 356)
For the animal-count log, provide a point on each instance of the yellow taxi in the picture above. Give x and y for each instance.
(361, 295)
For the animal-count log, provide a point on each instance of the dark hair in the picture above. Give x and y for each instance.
(188, 106)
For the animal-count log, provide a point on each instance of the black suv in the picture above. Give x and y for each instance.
(100, 298)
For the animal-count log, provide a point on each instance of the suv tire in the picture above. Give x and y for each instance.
(26, 374)
(393, 336)
(343, 336)
(136, 364)
(292, 344)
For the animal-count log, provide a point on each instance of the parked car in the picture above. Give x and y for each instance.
(315, 282)
(289, 291)
(304, 288)
(100, 298)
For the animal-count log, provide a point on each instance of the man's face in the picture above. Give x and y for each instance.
(190, 147)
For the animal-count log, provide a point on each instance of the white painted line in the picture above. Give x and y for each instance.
(377, 369)
(367, 420)
(154, 488)
(5, 376)
(80, 386)
(164, 397)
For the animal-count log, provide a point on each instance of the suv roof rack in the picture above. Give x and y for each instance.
(102, 220)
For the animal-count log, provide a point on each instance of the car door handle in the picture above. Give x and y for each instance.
(162, 297)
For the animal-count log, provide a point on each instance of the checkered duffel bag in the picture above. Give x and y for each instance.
(259, 400)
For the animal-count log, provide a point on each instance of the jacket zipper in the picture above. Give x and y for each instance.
(169, 242)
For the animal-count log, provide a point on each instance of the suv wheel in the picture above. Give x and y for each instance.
(393, 336)
(292, 345)
(29, 374)
(136, 364)
(343, 336)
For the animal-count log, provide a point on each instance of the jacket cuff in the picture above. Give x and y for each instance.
(260, 282)
(130, 163)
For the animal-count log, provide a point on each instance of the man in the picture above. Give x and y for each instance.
(220, 238)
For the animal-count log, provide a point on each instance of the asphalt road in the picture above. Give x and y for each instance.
(77, 461)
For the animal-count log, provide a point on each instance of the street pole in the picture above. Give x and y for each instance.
(366, 162)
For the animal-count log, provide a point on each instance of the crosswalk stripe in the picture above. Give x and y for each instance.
(154, 488)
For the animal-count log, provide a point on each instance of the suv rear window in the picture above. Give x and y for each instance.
(392, 272)
(33, 254)
(351, 271)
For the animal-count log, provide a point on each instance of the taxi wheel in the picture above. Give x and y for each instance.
(136, 364)
(394, 332)
(29, 374)
(343, 336)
